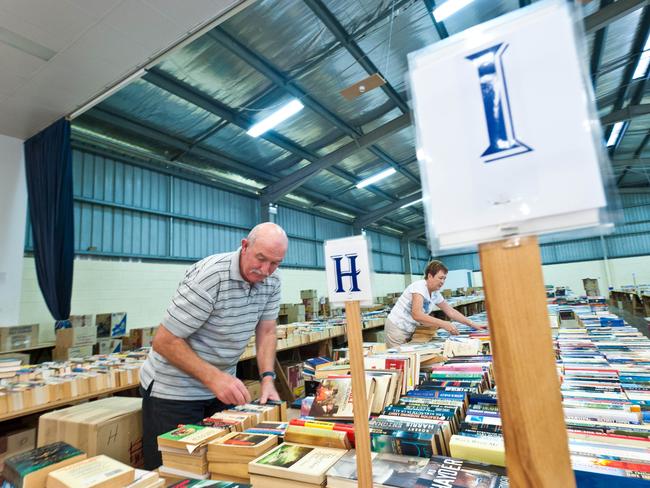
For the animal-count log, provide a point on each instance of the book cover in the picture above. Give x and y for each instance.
(209, 483)
(333, 399)
(189, 436)
(297, 462)
(33, 466)
(457, 473)
(99, 471)
(387, 469)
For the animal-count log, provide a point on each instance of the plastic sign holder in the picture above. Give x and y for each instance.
(348, 270)
(505, 116)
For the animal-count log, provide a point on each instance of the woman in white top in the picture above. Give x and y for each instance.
(415, 304)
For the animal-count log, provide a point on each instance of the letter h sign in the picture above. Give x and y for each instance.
(348, 270)
(352, 272)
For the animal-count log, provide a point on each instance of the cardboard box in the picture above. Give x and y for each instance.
(87, 320)
(18, 337)
(17, 441)
(66, 353)
(111, 324)
(308, 294)
(254, 388)
(76, 336)
(138, 338)
(107, 346)
(111, 426)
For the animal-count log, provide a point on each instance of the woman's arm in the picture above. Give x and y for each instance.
(417, 312)
(454, 314)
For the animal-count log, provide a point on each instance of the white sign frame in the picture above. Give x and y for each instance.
(347, 263)
(482, 181)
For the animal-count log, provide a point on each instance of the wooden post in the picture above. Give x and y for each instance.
(359, 396)
(530, 403)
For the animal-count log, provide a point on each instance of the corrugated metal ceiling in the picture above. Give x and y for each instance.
(193, 108)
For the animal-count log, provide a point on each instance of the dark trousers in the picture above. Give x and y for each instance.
(160, 415)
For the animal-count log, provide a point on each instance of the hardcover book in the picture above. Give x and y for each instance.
(307, 464)
(30, 469)
(458, 473)
(387, 470)
(96, 472)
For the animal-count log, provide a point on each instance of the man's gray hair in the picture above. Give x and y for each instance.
(269, 229)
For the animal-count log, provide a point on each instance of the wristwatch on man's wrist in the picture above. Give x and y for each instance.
(268, 373)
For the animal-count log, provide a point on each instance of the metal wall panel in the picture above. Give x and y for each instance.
(628, 245)
(296, 223)
(302, 253)
(634, 199)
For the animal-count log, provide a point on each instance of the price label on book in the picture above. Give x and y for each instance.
(509, 142)
(348, 270)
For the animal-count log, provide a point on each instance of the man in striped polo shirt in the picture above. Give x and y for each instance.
(222, 301)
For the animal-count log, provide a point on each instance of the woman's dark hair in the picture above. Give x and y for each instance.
(433, 267)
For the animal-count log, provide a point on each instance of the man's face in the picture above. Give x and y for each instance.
(260, 259)
(438, 280)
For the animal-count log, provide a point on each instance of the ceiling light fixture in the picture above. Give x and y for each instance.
(277, 117)
(375, 178)
(615, 134)
(411, 203)
(449, 8)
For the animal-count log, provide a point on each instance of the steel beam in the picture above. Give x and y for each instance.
(597, 51)
(430, 5)
(297, 178)
(335, 27)
(627, 113)
(635, 54)
(611, 13)
(415, 233)
(370, 217)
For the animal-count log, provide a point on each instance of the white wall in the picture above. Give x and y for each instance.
(13, 208)
(143, 290)
(622, 271)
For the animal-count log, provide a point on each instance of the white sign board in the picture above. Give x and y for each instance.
(508, 137)
(347, 265)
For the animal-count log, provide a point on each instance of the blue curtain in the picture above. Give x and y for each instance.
(48, 162)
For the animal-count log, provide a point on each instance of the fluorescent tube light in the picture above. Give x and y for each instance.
(449, 8)
(615, 134)
(411, 203)
(280, 115)
(375, 178)
(107, 93)
(644, 60)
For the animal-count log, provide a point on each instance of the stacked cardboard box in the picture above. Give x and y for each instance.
(18, 337)
(138, 338)
(111, 426)
(76, 338)
(16, 441)
(310, 301)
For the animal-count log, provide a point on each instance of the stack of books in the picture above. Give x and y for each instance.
(96, 472)
(228, 456)
(275, 428)
(30, 469)
(293, 466)
(184, 450)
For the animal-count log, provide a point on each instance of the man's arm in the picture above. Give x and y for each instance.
(226, 388)
(417, 312)
(265, 344)
(454, 314)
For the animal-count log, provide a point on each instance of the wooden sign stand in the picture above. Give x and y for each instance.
(530, 403)
(359, 396)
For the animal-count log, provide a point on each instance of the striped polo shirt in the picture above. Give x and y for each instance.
(216, 311)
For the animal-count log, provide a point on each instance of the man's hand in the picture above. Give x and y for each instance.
(451, 328)
(268, 390)
(476, 326)
(228, 389)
